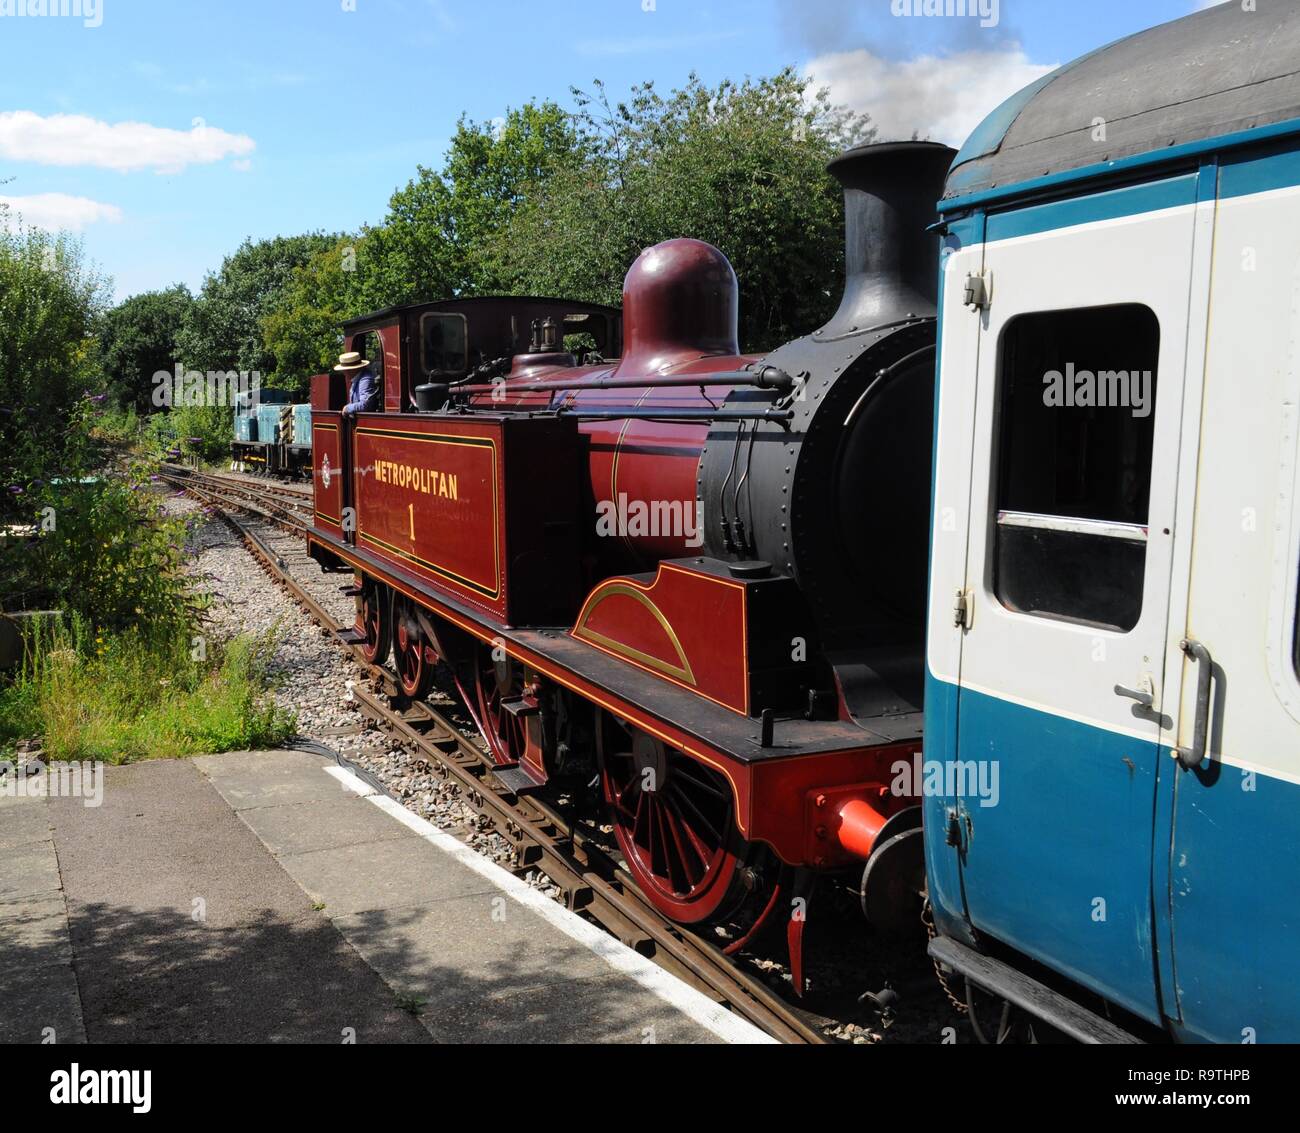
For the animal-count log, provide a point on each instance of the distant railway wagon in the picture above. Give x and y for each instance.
(272, 435)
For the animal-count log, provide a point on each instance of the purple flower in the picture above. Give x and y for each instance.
(15, 489)
(195, 440)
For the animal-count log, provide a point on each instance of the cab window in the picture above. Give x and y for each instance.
(443, 348)
(1076, 428)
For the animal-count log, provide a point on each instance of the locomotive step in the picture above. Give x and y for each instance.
(515, 779)
(520, 706)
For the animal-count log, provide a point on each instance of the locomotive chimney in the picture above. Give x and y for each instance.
(891, 262)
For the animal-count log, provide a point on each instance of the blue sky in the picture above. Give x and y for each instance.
(175, 128)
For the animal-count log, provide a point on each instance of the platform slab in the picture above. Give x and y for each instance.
(275, 897)
(442, 929)
(321, 825)
(39, 999)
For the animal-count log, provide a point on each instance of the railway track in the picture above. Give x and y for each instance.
(546, 836)
(286, 505)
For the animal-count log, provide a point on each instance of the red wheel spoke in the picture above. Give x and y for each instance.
(703, 852)
(701, 819)
(677, 840)
(701, 784)
(690, 877)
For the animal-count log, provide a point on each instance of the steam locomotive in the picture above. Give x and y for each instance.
(703, 569)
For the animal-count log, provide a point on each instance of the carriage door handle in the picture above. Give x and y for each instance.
(1144, 694)
(1190, 757)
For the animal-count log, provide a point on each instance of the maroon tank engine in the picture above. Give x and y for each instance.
(696, 572)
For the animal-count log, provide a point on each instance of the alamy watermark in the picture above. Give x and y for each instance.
(89, 12)
(637, 519)
(954, 778)
(62, 779)
(178, 387)
(988, 12)
(1101, 389)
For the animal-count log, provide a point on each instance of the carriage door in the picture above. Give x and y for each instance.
(1073, 480)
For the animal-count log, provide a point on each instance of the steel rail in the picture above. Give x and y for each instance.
(244, 496)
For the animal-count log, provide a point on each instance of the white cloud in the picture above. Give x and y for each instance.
(56, 211)
(75, 139)
(942, 98)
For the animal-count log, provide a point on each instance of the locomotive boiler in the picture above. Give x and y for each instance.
(697, 573)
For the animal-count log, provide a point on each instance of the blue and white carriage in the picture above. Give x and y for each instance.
(1112, 639)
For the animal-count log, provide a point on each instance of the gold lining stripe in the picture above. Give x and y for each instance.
(681, 671)
(493, 592)
(614, 647)
(443, 571)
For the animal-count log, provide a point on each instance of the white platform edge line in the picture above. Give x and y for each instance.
(349, 781)
(715, 1019)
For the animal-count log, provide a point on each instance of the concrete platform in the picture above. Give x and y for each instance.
(274, 897)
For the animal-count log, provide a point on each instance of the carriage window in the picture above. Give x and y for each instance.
(1076, 428)
(442, 345)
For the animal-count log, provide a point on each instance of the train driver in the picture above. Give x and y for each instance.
(363, 395)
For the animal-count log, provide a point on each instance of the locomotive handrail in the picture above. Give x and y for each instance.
(767, 378)
(781, 416)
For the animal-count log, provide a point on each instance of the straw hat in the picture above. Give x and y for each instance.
(351, 361)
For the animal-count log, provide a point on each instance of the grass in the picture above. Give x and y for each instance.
(124, 698)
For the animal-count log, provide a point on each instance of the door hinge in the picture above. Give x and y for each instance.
(979, 291)
(952, 834)
(963, 609)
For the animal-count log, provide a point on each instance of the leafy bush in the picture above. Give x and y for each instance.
(93, 695)
(102, 548)
(50, 301)
(740, 165)
(202, 431)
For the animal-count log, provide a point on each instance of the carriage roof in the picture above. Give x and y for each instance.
(1215, 73)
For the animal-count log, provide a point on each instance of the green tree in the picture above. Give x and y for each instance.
(436, 240)
(301, 329)
(50, 302)
(137, 339)
(440, 226)
(222, 330)
(741, 165)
